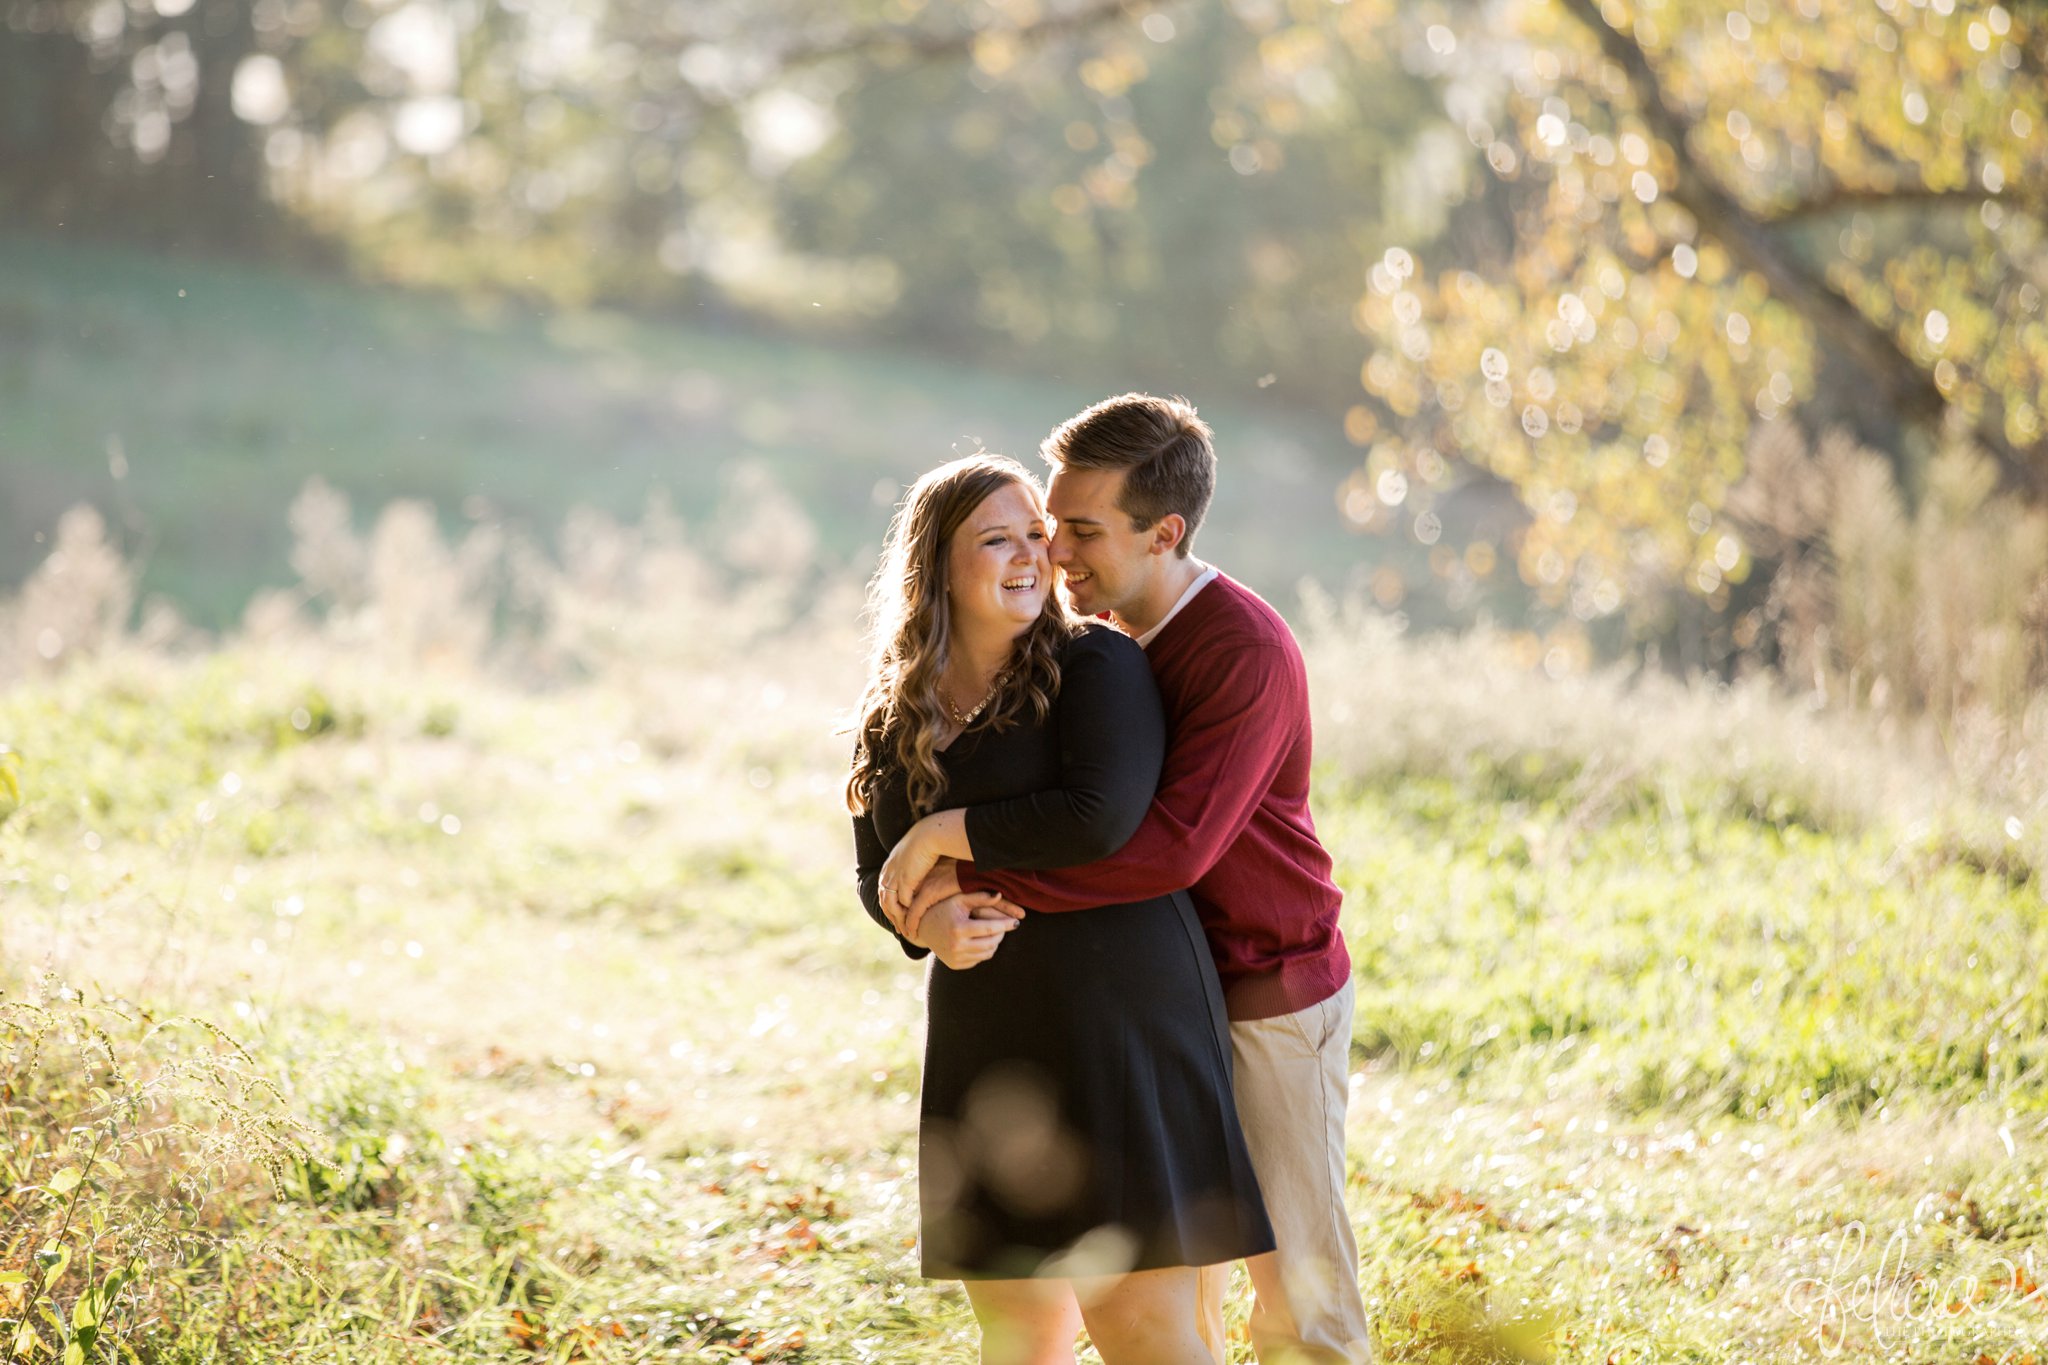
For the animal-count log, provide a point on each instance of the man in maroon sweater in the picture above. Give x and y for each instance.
(1132, 477)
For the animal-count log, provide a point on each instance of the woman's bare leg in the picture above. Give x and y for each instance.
(1026, 1322)
(1148, 1317)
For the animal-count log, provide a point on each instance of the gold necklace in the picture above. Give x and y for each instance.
(963, 721)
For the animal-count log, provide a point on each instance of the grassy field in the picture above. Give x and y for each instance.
(363, 1005)
(191, 401)
(458, 961)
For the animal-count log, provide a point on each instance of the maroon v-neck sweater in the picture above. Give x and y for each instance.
(1230, 821)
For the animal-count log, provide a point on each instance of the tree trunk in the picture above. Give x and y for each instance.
(219, 191)
(56, 162)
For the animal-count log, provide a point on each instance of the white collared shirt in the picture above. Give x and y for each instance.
(1202, 580)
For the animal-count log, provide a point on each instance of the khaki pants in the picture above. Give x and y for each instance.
(1292, 1080)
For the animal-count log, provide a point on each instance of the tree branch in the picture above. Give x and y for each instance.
(923, 43)
(1898, 377)
(768, 58)
(1843, 198)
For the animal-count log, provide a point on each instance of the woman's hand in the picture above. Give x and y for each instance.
(965, 930)
(942, 834)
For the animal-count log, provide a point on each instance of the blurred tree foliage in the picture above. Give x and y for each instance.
(124, 120)
(1071, 185)
(1167, 188)
(1074, 186)
(1705, 214)
(1582, 246)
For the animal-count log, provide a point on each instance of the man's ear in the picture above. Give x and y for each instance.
(1167, 532)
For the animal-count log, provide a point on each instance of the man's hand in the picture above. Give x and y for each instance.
(942, 883)
(964, 930)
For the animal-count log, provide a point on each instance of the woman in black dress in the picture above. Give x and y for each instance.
(1078, 1150)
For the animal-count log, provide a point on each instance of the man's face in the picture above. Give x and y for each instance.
(1103, 563)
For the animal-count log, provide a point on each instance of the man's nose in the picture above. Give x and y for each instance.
(1062, 547)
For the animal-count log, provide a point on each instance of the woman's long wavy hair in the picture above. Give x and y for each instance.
(900, 717)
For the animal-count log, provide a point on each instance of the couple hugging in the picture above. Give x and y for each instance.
(1140, 1017)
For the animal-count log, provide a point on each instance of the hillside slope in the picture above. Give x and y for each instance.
(191, 401)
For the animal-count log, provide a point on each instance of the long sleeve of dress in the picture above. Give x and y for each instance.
(1225, 752)
(1112, 736)
(869, 853)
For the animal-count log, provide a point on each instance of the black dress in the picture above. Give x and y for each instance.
(1076, 1117)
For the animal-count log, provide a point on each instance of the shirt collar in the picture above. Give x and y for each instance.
(1202, 580)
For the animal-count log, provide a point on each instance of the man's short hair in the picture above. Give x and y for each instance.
(1162, 447)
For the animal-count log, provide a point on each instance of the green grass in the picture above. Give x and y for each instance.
(374, 992)
(582, 1050)
(1667, 957)
(223, 388)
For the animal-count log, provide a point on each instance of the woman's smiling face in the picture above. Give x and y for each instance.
(997, 572)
